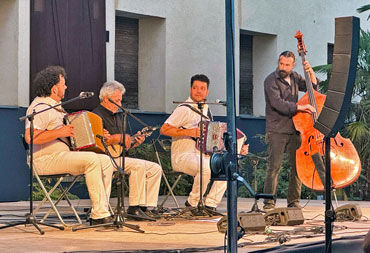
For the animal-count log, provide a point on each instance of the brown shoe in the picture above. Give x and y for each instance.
(295, 204)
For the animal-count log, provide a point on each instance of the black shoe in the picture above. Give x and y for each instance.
(153, 214)
(105, 220)
(187, 204)
(210, 208)
(136, 213)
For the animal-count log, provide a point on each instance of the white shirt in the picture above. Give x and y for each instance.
(184, 117)
(48, 120)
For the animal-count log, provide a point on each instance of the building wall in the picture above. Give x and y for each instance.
(9, 52)
(178, 39)
(188, 38)
(195, 41)
(193, 44)
(275, 23)
(14, 52)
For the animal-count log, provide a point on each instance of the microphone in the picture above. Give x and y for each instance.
(86, 94)
(221, 102)
(110, 100)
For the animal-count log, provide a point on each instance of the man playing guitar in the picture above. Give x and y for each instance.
(145, 176)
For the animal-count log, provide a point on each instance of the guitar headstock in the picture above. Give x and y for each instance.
(147, 131)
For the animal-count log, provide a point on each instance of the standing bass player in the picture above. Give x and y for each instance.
(281, 95)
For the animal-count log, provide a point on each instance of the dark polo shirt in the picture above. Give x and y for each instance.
(111, 121)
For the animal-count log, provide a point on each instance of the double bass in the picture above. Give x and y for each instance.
(345, 162)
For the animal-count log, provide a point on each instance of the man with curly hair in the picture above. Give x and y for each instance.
(51, 153)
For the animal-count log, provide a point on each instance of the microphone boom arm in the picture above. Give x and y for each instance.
(129, 113)
(31, 115)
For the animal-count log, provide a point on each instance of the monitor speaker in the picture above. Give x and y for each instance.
(343, 75)
(349, 212)
(284, 216)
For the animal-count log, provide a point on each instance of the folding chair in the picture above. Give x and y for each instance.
(165, 145)
(57, 178)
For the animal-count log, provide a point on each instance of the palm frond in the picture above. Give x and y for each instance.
(358, 131)
(363, 9)
(323, 69)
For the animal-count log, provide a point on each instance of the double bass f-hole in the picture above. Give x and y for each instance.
(308, 153)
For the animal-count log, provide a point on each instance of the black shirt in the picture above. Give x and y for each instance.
(111, 121)
(281, 99)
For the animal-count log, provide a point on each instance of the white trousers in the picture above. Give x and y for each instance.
(189, 163)
(98, 170)
(144, 181)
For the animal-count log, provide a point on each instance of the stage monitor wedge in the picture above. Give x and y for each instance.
(343, 75)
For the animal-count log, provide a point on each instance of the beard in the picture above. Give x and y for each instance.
(283, 73)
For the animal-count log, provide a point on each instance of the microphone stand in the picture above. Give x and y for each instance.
(119, 215)
(30, 217)
(123, 156)
(254, 160)
(201, 209)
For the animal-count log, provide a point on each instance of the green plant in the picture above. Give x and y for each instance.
(38, 194)
(146, 151)
(247, 171)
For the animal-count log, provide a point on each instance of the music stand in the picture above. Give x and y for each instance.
(30, 217)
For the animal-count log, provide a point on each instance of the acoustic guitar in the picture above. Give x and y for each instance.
(116, 149)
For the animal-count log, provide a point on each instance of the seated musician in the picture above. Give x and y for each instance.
(183, 126)
(145, 176)
(51, 153)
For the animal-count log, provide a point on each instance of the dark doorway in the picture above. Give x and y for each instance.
(126, 59)
(246, 74)
(70, 33)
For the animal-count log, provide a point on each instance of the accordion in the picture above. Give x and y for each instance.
(212, 140)
(86, 126)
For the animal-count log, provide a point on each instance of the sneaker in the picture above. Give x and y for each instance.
(268, 207)
(295, 204)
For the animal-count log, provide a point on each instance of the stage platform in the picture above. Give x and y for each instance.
(173, 234)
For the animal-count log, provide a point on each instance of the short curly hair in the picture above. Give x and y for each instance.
(47, 78)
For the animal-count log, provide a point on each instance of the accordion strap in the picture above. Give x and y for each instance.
(208, 116)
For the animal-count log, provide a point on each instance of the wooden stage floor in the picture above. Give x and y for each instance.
(169, 235)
